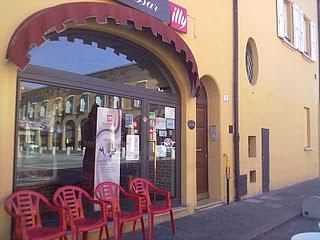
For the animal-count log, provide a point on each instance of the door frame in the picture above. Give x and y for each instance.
(204, 195)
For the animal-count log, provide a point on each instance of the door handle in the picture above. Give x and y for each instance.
(198, 150)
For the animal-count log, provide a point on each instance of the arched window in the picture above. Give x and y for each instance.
(69, 105)
(84, 103)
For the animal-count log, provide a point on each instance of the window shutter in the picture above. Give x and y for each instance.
(296, 26)
(280, 13)
(302, 32)
(313, 41)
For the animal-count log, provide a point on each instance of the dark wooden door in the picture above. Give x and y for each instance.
(265, 160)
(201, 152)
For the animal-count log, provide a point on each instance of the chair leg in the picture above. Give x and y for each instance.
(118, 230)
(107, 232)
(150, 226)
(134, 226)
(100, 233)
(121, 228)
(142, 229)
(77, 235)
(85, 236)
(173, 225)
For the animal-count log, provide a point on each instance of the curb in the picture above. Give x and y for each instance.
(268, 227)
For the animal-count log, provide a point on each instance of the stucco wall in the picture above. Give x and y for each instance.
(287, 82)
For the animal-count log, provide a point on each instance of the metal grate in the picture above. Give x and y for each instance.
(249, 63)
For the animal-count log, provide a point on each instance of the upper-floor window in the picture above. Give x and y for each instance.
(84, 103)
(288, 21)
(100, 100)
(43, 109)
(57, 107)
(69, 105)
(31, 110)
(295, 28)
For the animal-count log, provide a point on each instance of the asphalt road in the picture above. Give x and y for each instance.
(36, 161)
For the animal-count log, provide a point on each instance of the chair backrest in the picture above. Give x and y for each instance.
(70, 197)
(142, 186)
(109, 191)
(25, 203)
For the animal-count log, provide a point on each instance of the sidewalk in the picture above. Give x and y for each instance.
(243, 220)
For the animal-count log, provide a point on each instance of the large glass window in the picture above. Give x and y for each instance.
(57, 121)
(55, 150)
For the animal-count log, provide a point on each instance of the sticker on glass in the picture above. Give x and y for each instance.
(170, 112)
(168, 142)
(170, 123)
(128, 120)
(162, 133)
(161, 123)
(161, 151)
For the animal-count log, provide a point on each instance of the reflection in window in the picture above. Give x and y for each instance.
(43, 109)
(69, 105)
(84, 103)
(120, 61)
(100, 100)
(51, 146)
(57, 107)
(31, 111)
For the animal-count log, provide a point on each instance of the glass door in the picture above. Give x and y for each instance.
(161, 147)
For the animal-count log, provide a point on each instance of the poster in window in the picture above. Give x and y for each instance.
(152, 115)
(170, 123)
(129, 121)
(170, 112)
(162, 133)
(161, 151)
(132, 147)
(108, 146)
(161, 123)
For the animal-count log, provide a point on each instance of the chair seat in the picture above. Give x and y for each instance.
(130, 216)
(158, 209)
(44, 233)
(87, 224)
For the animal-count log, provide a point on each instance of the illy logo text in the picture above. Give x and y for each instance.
(179, 17)
(148, 4)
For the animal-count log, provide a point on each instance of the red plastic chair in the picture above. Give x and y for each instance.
(142, 187)
(110, 192)
(24, 206)
(71, 198)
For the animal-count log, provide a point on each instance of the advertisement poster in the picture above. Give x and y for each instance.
(132, 147)
(108, 146)
(161, 151)
(161, 123)
(128, 120)
(170, 123)
(170, 112)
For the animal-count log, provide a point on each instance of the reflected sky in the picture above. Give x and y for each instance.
(75, 57)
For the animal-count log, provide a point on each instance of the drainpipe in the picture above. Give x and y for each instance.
(318, 14)
(236, 136)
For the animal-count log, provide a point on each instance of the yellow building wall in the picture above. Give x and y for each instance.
(214, 62)
(276, 102)
(286, 84)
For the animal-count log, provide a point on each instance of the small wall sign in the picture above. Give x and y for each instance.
(155, 8)
(191, 124)
(179, 18)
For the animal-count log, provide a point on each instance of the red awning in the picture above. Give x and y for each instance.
(31, 32)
